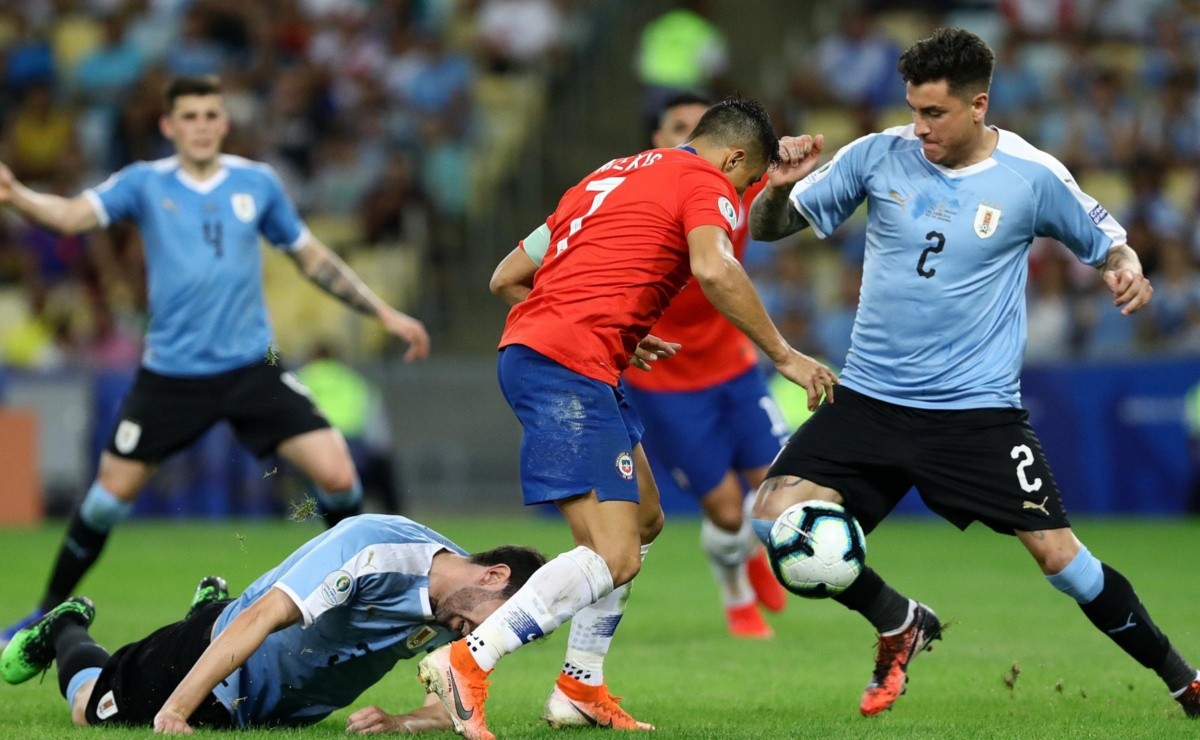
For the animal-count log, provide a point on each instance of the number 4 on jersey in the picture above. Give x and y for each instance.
(601, 188)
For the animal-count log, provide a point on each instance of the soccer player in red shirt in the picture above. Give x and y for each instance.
(619, 246)
(712, 427)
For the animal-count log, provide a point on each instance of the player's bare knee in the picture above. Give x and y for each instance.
(623, 563)
(336, 478)
(728, 518)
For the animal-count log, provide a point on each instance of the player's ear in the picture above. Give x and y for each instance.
(734, 158)
(164, 125)
(979, 106)
(495, 575)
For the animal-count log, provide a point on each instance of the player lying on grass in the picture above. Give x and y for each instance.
(302, 641)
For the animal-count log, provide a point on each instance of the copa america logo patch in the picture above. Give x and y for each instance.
(1098, 214)
(625, 465)
(728, 211)
(336, 587)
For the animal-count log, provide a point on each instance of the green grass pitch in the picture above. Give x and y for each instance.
(672, 659)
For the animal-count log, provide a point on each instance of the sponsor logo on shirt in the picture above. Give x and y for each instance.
(336, 587)
(128, 434)
(625, 465)
(1098, 214)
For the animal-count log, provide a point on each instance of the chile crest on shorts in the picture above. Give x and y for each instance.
(625, 465)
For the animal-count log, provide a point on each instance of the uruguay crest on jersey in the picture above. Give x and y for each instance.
(243, 207)
(986, 221)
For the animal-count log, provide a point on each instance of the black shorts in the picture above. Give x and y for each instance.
(137, 680)
(983, 465)
(163, 414)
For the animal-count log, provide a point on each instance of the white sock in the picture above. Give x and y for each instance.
(727, 557)
(591, 634)
(750, 542)
(551, 596)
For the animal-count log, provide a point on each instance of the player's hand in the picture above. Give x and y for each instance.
(1131, 290)
(806, 372)
(650, 349)
(372, 720)
(410, 330)
(799, 155)
(7, 183)
(170, 721)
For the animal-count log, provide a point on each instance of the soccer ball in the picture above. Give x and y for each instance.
(817, 549)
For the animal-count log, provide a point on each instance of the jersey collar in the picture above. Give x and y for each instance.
(203, 187)
(974, 169)
(686, 148)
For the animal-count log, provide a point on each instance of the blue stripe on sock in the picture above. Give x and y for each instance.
(101, 510)
(1082, 579)
(762, 529)
(78, 680)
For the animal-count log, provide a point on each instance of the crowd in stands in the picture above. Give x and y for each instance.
(376, 115)
(372, 112)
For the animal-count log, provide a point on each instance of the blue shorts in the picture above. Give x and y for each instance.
(579, 433)
(694, 438)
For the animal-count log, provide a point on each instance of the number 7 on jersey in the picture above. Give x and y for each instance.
(601, 188)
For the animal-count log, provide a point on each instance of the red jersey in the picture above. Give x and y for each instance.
(714, 350)
(618, 254)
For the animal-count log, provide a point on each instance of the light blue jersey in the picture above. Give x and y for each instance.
(203, 263)
(941, 314)
(363, 590)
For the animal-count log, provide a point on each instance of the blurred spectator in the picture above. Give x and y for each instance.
(836, 321)
(28, 60)
(38, 135)
(1051, 320)
(195, 52)
(854, 67)
(681, 50)
(1150, 204)
(1016, 94)
(1101, 131)
(1176, 306)
(1169, 124)
(520, 35)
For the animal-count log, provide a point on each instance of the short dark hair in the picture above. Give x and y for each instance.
(740, 122)
(190, 85)
(957, 56)
(521, 562)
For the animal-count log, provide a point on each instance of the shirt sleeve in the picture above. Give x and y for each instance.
(116, 199)
(536, 244)
(829, 196)
(1066, 213)
(281, 223)
(707, 198)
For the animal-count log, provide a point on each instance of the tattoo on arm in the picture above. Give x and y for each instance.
(773, 217)
(332, 275)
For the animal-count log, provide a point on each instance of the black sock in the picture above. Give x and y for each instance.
(333, 517)
(80, 549)
(75, 650)
(882, 605)
(1118, 613)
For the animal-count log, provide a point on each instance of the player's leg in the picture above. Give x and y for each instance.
(580, 696)
(853, 453)
(723, 537)
(324, 457)
(769, 592)
(577, 455)
(272, 411)
(1110, 603)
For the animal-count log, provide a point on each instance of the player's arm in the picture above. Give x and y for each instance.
(428, 718)
(772, 216)
(328, 272)
(64, 215)
(1122, 271)
(272, 612)
(513, 277)
(730, 291)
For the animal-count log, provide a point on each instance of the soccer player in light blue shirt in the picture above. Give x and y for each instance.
(208, 354)
(930, 395)
(302, 641)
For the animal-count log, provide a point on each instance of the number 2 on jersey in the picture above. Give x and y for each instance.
(936, 248)
(601, 188)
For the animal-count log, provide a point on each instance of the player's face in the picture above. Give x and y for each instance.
(677, 124)
(196, 125)
(948, 126)
(743, 170)
(463, 610)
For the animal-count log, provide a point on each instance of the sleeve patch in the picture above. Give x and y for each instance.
(337, 587)
(728, 211)
(1098, 214)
